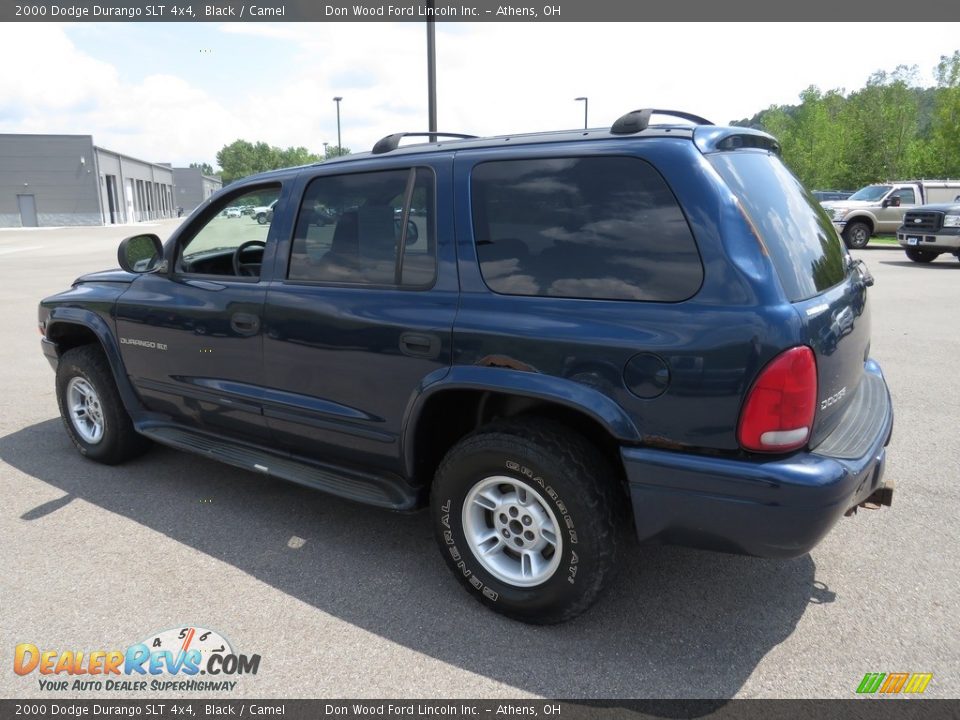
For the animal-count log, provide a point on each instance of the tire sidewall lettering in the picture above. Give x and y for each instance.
(571, 563)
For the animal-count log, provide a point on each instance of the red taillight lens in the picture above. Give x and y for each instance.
(779, 410)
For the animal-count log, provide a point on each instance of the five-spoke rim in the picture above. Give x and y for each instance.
(86, 413)
(512, 531)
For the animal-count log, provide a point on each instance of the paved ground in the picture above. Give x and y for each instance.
(361, 605)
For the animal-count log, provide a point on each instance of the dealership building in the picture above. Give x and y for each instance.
(192, 187)
(54, 180)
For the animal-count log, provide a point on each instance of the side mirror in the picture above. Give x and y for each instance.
(141, 253)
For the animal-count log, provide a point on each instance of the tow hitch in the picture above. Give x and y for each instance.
(881, 496)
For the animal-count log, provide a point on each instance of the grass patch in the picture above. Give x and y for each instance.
(884, 240)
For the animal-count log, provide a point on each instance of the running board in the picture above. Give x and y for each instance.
(385, 492)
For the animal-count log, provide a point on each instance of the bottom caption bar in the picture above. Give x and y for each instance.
(567, 709)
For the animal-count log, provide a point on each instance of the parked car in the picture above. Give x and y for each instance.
(879, 208)
(930, 231)
(232, 212)
(563, 336)
(264, 213)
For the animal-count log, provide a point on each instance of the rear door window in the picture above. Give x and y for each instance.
(596, 227)
(350, 230)
(804, 247)
(906, 195)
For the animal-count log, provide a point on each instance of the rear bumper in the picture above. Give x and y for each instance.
(770, 508)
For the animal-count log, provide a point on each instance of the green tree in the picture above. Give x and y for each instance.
(883, 117)
(814, 137)
(203, 167)
(889, 129)
(294, 156)
(241, 158)
(331, 151)
(944, 150)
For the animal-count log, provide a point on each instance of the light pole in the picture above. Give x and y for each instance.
(325, 156)
(586, 104)
(431, 72)
(339, 146)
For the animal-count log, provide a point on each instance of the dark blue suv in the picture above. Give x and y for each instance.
(546, 338)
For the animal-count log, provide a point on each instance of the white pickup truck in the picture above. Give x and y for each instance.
(264, 213)
(880, 208)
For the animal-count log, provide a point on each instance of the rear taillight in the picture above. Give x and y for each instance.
(778, 413)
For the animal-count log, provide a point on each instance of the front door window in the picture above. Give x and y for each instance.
(231, 242)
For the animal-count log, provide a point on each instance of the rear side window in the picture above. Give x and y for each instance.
(906, 195)
(800, 238)
(600, 227)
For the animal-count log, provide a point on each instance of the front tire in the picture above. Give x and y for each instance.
(92, 411)
(921, 256)
(262, 219)
(856, 235)
(528, 517)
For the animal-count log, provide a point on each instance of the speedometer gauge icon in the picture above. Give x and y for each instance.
(185, 639)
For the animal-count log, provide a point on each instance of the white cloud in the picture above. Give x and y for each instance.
(492, 78)
(56, 88)
(43, 71)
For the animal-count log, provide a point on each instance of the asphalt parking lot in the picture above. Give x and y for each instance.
(345, 601)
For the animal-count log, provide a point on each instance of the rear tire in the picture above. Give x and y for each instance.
(921, 256)
(856, 235)
(90, 405)
(262, 219)
(528, 515)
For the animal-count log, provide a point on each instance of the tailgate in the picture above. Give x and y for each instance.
(837, 326)
(817, 275)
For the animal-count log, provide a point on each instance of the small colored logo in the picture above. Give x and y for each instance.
(169, 660)
(894, 683)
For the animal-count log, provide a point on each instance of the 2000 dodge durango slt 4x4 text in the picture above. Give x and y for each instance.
(545, 338)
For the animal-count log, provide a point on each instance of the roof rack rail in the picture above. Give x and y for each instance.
(392, 142)
(638, 120)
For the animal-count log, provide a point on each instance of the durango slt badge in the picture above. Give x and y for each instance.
(143, 343)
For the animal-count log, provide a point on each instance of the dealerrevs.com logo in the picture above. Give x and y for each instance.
(180, 659)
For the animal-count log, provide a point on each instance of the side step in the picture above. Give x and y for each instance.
(382, 491)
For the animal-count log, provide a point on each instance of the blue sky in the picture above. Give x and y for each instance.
(178, 92)
(215, 61)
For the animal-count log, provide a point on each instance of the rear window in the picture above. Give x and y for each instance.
(800, 238)
(598, 228)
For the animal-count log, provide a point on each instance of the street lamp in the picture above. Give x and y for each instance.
(586, 104)
(431, 71)
(339, 146)
(325, 156)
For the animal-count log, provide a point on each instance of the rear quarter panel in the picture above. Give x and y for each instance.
(713, 344)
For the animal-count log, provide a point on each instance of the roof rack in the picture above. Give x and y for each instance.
(638, 120)
(392, 142)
